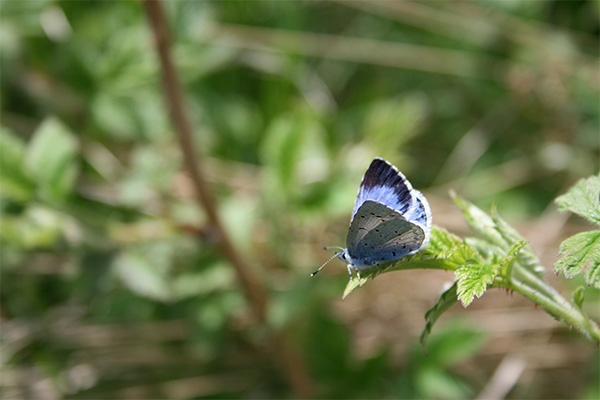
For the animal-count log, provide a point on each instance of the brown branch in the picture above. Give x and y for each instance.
(254, 291)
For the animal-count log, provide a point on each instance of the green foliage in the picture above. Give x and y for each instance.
(51, 160)
(473, 279)
(583, 199)
(446, 300)
(444, 251)
(499, 257)
(112, 286)
(15, 181)
(454, 343)
(580, 254)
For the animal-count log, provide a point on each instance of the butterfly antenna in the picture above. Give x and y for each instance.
(333, 247)
(324, 264)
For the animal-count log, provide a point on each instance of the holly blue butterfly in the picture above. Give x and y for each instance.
(390, 220)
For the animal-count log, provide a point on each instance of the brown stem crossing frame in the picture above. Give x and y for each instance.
(256, 294)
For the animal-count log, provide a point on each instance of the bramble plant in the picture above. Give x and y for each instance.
(499, 257)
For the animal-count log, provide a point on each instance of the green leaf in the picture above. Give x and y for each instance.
(391, 122)
(473, 278)
(51, 160)
(293, 155)
(445, 251)
(480, 222)
(526, 257)
(578, 295)
(15, 183)
(446, 300)
(583, 199)
(353, 283)
(581, 254)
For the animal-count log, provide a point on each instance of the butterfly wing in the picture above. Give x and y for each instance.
(420, 213)
(383, 183)
(367, 218)
(380, 234)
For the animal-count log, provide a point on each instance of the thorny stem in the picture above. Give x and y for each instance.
(542, 293)
(291, 361)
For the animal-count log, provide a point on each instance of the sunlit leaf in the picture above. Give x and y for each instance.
(445, 251)
(353, 283)
(474, 278)
(580, 254)
(583, 199)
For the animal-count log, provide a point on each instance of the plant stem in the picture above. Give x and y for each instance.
(291, 361)
(542, 293)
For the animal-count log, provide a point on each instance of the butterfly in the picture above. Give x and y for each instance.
(390, 220)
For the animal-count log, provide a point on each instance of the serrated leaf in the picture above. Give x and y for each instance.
(474, 278)
(445, 251)
(446, 300)
(50, 159)
(580, 254)
(583, 199)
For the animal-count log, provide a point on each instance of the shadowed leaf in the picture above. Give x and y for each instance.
(446, 300)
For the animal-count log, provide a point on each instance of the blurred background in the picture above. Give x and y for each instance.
(112, 286)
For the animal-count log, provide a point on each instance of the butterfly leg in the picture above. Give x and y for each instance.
(350, 271)
(357, 275)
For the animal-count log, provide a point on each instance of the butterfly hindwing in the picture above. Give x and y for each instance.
(368, 216)
(380, 234)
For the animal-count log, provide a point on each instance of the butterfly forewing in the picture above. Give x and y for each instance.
(383, 183)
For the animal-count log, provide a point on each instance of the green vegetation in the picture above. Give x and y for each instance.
(126, 276)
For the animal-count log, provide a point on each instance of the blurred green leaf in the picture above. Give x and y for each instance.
(294, 154)
(38, 227)
(580, 254)
(392, 122)
(15, 183)
(51, 160)
(583, 199)
(452, 344)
